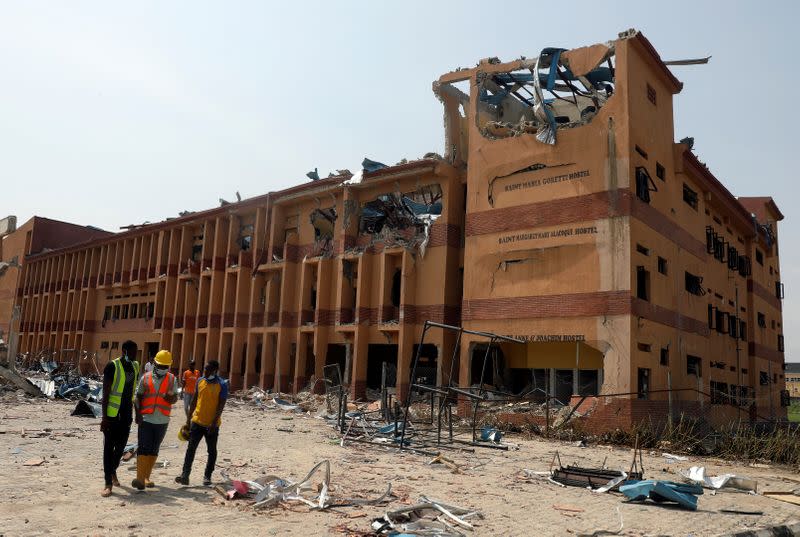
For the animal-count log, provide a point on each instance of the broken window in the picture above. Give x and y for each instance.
(543, 96)
(693, 365)
(690, 196)
(245, 239)
(642, 250)
(197, 247)
(104, 344)
(762, 320)
(323, 221)
(644, 184)
(642, 283)
(763, 378)
(694, 284)
(660, 171)
(664, 357)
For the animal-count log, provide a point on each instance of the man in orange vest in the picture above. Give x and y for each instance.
(155, 395)
(189, 382)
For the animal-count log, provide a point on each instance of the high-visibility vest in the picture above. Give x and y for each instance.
(115, 397)
(152, 399)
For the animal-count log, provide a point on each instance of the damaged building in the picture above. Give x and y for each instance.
(562, 213)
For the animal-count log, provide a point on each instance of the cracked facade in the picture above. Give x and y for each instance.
(562, 213)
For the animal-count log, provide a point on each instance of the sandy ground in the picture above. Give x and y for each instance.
(61, 496)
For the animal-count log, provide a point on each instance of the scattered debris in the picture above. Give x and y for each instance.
(88, 409)
(568, 508)
(429, 517)
(672, 457)
(697, 475)
(38, 461)
(740, 512)
(790, 497)
(663, 491)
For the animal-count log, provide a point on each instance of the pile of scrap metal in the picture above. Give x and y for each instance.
(399, 218)
(545, 94)
(323, 221)
(67, 384)
(428, 517)
(270, 490)
(598, 479)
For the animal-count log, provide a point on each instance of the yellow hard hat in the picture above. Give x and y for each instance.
(164, 357)
(183, 434)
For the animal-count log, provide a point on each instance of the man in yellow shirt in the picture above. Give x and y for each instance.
(206, 409)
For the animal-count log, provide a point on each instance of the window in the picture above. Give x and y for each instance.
(642, 250)
(711, 235)
(664, 358)
(134, 311)
(745, 268)
(719, 393)
(651, 94)
(644, 347)
(762, 320)
(125, 311)
(642, 283)
(197, 251)
(690, 196)
(104, 344)
(693, 365)
(107, 313)
(660, 172)
(712, 317)
(779, 290)
(644, 184)
(151, 309)
(733, 258)
(742, 330)
(662, 265)
(733, 326)
(644, 383)
(694, 284)
(115, 314)
(780, 342)
(759, 257)
(114, 345)
(722, 322)
(772, 324)
(763, 378)
(642, 152)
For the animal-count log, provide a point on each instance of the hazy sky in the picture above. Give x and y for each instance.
(116, 113)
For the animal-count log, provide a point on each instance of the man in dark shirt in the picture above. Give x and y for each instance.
(120, 377)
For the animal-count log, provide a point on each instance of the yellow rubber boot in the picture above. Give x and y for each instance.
(151, 462)
(141, 463)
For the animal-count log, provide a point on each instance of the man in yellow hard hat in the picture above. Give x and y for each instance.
(155, 395)
(119, 383)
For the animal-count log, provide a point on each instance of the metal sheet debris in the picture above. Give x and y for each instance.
(427, 518)
(697, 475)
